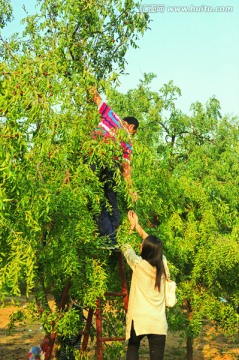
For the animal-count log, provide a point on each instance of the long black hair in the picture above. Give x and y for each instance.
(152, 251)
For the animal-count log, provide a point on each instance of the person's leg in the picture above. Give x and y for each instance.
(156, 346)
(104, 223)
(111, 196)
(133, 345)
(103, 220)
(115, 215)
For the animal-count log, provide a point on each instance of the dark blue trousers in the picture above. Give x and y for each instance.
(108, 221)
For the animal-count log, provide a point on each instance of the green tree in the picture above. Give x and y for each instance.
(187, 174)
(185, 169)
(49, 194)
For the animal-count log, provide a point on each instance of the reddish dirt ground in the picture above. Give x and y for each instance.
(210, 346)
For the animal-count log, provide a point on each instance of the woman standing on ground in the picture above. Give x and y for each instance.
(146, 312)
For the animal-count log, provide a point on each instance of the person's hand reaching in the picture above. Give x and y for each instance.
(133, 219)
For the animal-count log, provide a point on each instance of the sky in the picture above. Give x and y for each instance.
(188, 43)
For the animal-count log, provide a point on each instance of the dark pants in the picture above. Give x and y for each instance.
(156, 345)
(109, 219)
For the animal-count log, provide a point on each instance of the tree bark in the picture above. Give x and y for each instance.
(189, 336)
(189, 348)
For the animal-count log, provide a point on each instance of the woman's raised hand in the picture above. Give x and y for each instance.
(133, 219)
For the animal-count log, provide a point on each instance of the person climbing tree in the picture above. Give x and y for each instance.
(109, 127)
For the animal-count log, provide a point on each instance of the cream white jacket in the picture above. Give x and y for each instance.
(146, 304)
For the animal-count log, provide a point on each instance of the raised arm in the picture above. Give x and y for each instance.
(134, 224)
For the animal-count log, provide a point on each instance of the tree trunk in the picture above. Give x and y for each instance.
(189, 336)
(189, 348)
(49, 339)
